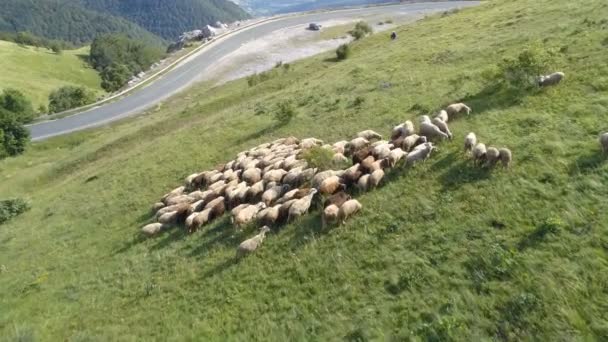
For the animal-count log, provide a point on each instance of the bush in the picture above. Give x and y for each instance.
(13, 135)
(285, 112)
(11, 208)
(361, 30)
(318, 157)
(115, 77)
(15, 102)
(69, 97)
(343, 52)
(522, 71)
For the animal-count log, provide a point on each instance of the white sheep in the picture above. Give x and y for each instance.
(505, 156)
(443, 116)
(457, 108)
(355, 145)
(272, 194)
(301, 206)
(339, 158)
(431, 131)
(492, 155)
(382, 151)
(402, 130)
(443, 126)
(419, 154)
(330, 215)
(274, 175)
(395, 156)
(348, 209)
(268, 215)
(369, 135)
(479, 153)
(198, 220)
(413, 141)
(252, 175)
(604, 142)
(310, 142)
(338, 147)
(247, 214)
(363, 183)
(255, 192)
(470, 141)
(250, 245)
(550, 80)
(154, 228)
(375, 178)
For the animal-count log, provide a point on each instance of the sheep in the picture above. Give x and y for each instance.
(379, 165)
(402, 130)
(321, 176)
(428, 129)
(443, 116)
(157, 206)
(272, 194)
(292, 177)
(479, 153)
(375, 178)
(442, 126)
(348, 209)
(217, 207)
(395, 156)
(330, 185)
(198, 220)
(361, 154)
(196, 207)
(301, 206)
(252, 175)
(550, 80)
(492, 155)
(310, 142)
(355, 145)
(247, 214)
(367, 164)
(169, 218)
(330, 214)
(369, 135)
(250, 245)
(338, 147)
(382, 151)
(352, 174)
(604, 142)
(284, 211)
(218, 187)
(339, 158)
(179, 199)
(173, 193)
(268, 216)
(254, 193)
(418, 154)
(412, 141)
(337, 199)
(505, 156)
(456, 108)
(362, 183)
(154, 228)
(274, 175)
(470, 141)
(180, 207)
(230, 174)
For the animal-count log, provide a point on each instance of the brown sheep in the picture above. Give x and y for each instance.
(330, 185)
(337, 199)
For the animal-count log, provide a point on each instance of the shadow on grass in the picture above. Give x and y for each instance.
(224, 234)
(84, 58)
(331, 60)
(587, 163)
(307, 229)
(463, 173)
(265, 131)
(495, 96)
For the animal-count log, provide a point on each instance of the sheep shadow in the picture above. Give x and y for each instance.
(587, 163)
(223, 234)
(462, 173)
(307, 229)
(172, 235)
(263, 132)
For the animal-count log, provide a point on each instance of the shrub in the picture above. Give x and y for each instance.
(522, 71)
(11, 208)
(285, 112)
(15, 102)
(319, 157)
(13, 135)
(343, 52)
(361, 30)
(115, 77)
(69, 97)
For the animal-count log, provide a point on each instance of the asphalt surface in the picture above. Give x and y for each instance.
(188, 72)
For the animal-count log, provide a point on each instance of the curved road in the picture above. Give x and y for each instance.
(188, 72)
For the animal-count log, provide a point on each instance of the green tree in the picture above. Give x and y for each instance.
(69, 97)
(115, 77)
(14, 101)
(343, 52)
(14, 136)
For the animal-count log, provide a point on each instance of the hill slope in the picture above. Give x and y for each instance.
(443, 251)
(38, 71)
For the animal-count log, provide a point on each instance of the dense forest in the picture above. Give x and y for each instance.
(80, 21)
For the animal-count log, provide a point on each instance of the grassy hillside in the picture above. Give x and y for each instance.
(442, 251)
(38, 71)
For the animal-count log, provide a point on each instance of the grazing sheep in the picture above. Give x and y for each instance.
(274, 175)
(402, 130)
(310, 142)
(292, 177)
(250, 245)
(154, 228)
(361, 154)
(457, 108)
(505, 156)
(395, 156)
(180, 207)
(284, 211)
(274, 193)
(318, 179)
(412, 141)
(218, 187)
(301, 206)
(338, 147)
(169, 218)
(604, 142)
(369, 135)
(157, 206)
(196, 207)
(431, 131)
(419, 154)
(175, 192)
(479, 153)
(254, 193)
(550, 80)
(198, 220)
(382, 151)
(348, 209)
(247, 214)
(443, 126)
(252, 175)
(337, 199)
(379, 165)
(355, 145)
(375, 178)
(352, 174)
(330, 215)
(425, 119)
(363, 182)
(179, 199)
(217, 208)
(470, 141)
(339, 158)
(330, 185)
(268, 216)
(492, 155)
(367, 164)
(443, 116)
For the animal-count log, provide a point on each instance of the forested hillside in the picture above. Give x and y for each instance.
(169, 19)
(69, 21)
(79, 21)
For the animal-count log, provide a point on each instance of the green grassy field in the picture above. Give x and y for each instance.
(443, 251)
(38, 71)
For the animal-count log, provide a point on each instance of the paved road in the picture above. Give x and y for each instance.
(188, 72)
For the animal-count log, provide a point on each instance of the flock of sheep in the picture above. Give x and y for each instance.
(272, 184)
